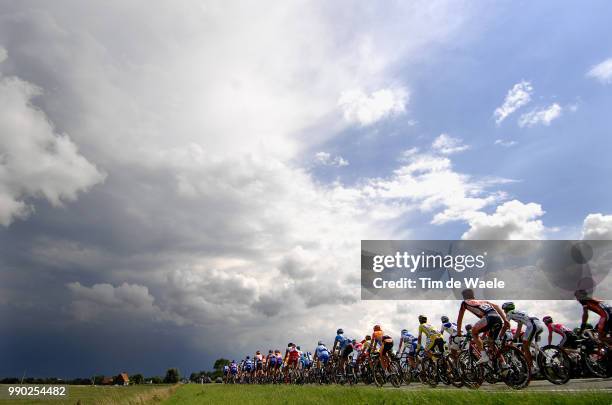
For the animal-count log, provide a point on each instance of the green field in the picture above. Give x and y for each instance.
(242, 394)
(103, 395)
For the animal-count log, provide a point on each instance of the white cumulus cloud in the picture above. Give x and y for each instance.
(518, 96)
(542, 116)
(597, 226)
(511, 220)
(447, 145)
(602, 71)
(363, 109)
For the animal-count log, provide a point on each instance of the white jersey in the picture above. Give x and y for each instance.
(520, 317)
(450, 328)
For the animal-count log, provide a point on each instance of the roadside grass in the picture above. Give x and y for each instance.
(104, 395)
(263, 394)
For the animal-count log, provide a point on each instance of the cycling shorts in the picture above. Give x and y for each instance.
(437, 343)
(324, 357)
(569, 340)
(491, 323)
(533, 329)
(387, 347)
(348, 349)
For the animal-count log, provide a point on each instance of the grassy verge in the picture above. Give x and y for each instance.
(214, 394)
(98, 395)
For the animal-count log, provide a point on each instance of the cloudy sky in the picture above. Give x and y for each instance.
(184, 181)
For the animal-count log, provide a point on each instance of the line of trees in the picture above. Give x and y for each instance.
(172, 376)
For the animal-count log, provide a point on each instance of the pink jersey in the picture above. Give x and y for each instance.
(558, 328)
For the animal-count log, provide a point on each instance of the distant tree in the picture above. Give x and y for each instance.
(219, 363)
(155, 380)
(172, 376)
(137, 379)
(98, 379)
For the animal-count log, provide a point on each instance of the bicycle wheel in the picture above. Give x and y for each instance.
(442, 370)
(597, 362)
(517, 376)
(378, 374)
(394, 376)
(555, 365)
(454, 374)
(406, 372)
(431, 372)
(472, 372)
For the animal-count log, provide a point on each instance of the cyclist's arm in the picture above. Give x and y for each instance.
(585, 317)
(419, 341)
(460, 319)
(518, 330)
(399, 350)
(549, 335)
(334, 348)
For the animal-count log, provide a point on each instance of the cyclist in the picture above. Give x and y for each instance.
(247, 365)
(408, 342)
(604, 326)
(225, 373)
(233, 368)
(259, 363)
(533, 329)
(279, 361)
(270, 362)
(434, 338)
(343, 346)
(450, 328)
(321, 353)
(568, 337)
(385, 349)
(366, 344)
(491, 319)
(305, 360)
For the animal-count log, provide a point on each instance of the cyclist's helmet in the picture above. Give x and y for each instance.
(248, 357)
(508, 306)
(468, 327)
(298, 348)
(354, 341)
(588, 326)
(258, 352)
(547, 319)
(368, 337)
(376, 327)
(444, 318)
(290, 344)
(581, 294)
(422, 319)
(339, 331)
(404, 331)
(270, 351)
(320, 343)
